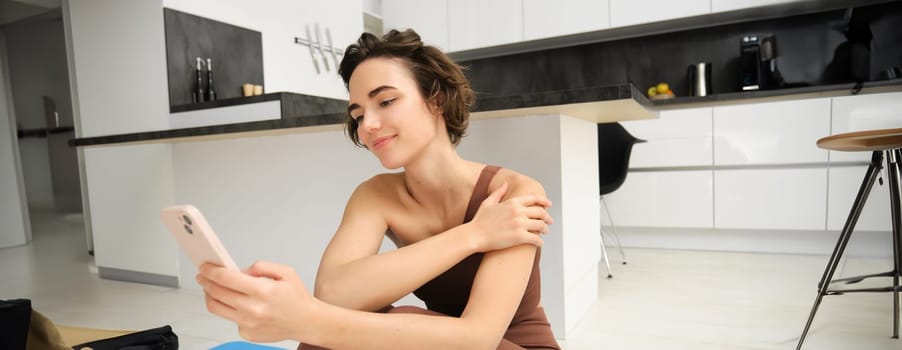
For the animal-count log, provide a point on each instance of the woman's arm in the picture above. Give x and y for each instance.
(277, 306)
(270, 303)
(353, 275)
(497, 291)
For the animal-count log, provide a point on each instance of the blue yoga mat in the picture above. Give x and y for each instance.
(240, 345)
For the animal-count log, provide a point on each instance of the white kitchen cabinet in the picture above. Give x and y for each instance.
(475, 24)
(730, 5)
(864, 112)
(663, 199)
(844, 184)
(428, 18)
(771, 133)
(630, 12)
(677, 138)
(770, 199)
(550, 18)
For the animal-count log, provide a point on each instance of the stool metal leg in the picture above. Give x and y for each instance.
(857, 206)
(893, 169)
(616, 237)
(604, 254)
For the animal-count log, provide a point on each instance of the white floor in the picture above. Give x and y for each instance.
(664, 299)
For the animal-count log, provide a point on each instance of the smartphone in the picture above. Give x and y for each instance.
(195, 236)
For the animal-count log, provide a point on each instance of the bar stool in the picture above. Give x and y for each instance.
(885, 144)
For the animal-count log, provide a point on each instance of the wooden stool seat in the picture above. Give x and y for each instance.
(871, 140)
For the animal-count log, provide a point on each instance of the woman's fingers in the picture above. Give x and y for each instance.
(538, 213)
(496, 195)
(269, 270)
(534, 239)
(532, 200)
(233, 289)
(220, 300)
(220, 309)
(536, 226)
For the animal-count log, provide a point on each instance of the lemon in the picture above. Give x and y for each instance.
(663, 88)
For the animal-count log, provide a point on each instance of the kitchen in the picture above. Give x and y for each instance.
(725, 204)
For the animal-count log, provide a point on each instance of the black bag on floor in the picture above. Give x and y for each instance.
(161, 338)
(15, 316)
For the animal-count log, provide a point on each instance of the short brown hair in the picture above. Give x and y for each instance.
(440, 80)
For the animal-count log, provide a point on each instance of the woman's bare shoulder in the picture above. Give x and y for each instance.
(518, 183)
(379, 187)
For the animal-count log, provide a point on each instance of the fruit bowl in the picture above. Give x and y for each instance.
(662, 97)
(660, 91)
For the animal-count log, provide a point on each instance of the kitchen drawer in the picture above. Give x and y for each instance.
(731, 5)
(469, 22)
(694, 151)
(864, 112)
(630, 12)
(428, 18)
(844, 184)
(771, 133)
(549, 18)
(676, 138)
(771, 199)
(672, 124)
(663, 199)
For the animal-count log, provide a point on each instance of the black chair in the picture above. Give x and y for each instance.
(614, 147)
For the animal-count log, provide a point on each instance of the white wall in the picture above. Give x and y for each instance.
(119, 58)
(373, 6)
(288, 66)
(119, 77)
(36, 173)
(16, 229)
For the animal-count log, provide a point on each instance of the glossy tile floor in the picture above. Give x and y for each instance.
(664, 299)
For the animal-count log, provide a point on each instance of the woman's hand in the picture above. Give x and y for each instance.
(268, 301)
(515, 221)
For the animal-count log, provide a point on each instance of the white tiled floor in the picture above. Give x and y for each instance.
(664, 299)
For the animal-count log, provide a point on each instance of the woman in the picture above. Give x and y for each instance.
(468, 234)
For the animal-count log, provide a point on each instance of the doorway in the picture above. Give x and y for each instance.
(38, 79)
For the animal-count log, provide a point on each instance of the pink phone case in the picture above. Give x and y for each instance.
(195, 236)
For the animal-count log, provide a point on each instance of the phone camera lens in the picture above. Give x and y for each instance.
(187, 220)
(188, 228)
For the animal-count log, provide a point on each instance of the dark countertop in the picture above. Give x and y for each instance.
(293, 105)
(599, 104)
(778, 94)
(301, 111)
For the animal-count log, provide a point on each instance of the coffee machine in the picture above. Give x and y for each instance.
(758, 57)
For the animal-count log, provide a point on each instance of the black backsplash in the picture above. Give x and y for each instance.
(806, 45)
(237, 55)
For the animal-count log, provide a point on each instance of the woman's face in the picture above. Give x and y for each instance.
(393, 119)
